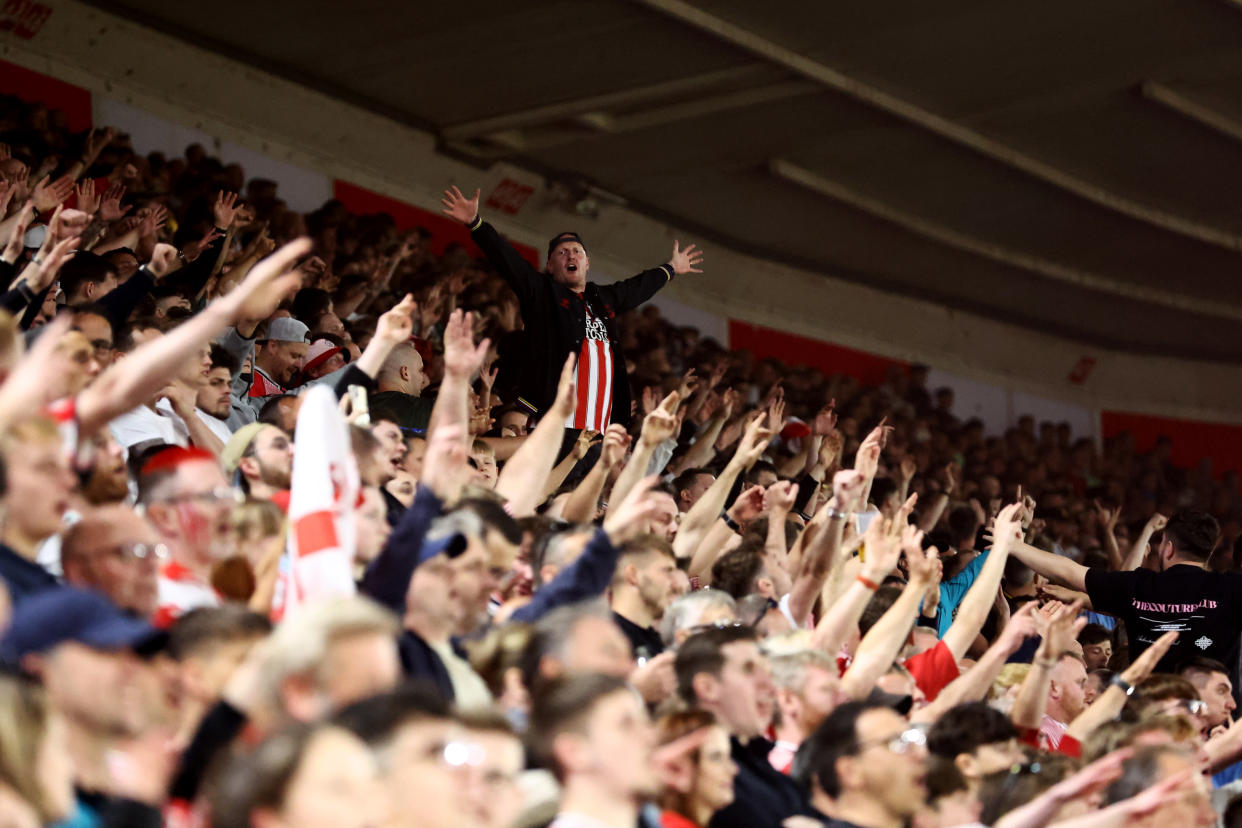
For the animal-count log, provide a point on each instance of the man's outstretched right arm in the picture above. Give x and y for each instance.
(515, 270)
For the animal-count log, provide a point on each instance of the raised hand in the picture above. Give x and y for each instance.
(95, 143)
(825, 420)
(780, 497)
(51, 263)
(444, 467)
(88, 201)
(753, 444)
(661, 424)
(882, 550)
(867, 459)
(748, 506)
(110, 208)
(629, 518)
(1155, 523)
(1142, 667)
(194, 249)
(17, 241)
(396, 325)
(586, 439)
(902, 518)
(49, 195)
(224, 211)
(1007, 529)
(616, 441)
(1021, 626)
(847, 490)
(462, 358)
(689, 382)
(164, 260)
(465, 210)
(685, 260)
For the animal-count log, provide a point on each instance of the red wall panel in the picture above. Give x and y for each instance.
(35, 87)
(800, 350)
(1192, 441)
(444, 230)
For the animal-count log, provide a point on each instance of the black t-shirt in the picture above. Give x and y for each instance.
(1204, 607)
(644, 641)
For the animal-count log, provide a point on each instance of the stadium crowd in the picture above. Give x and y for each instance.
(304, 525)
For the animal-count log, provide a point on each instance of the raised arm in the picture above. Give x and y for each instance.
(1109, 703)
(136, 378)
(1059, 626)
(707, 509)
(821, 552)
(973, 684)
(522, 479)
(462, 359)
(583, 502)
(1138, 550)
(1053, 567)
(657, 427)
(974, 609)
(884, 641)
(516, 271)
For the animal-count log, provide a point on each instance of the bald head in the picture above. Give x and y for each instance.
(115, 551)
(403, 371)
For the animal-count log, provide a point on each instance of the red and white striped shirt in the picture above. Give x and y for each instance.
(594, 380)
(261, 385)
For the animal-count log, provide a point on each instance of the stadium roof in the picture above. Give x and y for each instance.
(1071, 166)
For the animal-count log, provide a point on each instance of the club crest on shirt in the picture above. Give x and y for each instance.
(595, 329)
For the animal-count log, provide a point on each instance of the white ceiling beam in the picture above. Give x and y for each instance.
(1193, 110)
(967, 243)
(912, 113)
(595, 103)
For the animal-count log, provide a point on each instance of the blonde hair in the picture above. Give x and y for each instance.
(261, 517)
(33, 429)
(24, 712)
(11, 346)
(1011, 675)
(789, 669)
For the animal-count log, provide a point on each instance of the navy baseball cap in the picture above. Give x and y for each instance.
(452, 545)
(55, 616)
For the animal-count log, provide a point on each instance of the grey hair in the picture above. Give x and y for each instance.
(553, 630)
(688, 610)
(300, 644)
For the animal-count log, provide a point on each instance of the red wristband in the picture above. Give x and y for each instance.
(868, 583)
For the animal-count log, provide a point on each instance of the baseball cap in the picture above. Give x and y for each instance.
(237, 445)
(62, 614)
(319, 352)
(452, 544)
(286, 329)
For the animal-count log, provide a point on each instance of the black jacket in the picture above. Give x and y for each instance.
(555, 319)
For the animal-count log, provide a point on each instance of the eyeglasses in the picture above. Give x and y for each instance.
(222, 494)
(143, 551)
(902, 742)
(1196, 707)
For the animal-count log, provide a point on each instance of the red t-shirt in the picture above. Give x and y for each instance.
(933, 669)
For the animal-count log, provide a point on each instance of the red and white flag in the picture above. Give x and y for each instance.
(319, 553)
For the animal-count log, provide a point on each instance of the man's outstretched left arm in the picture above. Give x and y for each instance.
(632, 292)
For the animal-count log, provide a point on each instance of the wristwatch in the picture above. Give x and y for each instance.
(1118, 681)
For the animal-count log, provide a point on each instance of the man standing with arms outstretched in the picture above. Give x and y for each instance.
(564, 314)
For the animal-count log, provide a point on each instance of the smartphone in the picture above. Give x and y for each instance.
(359, 406)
